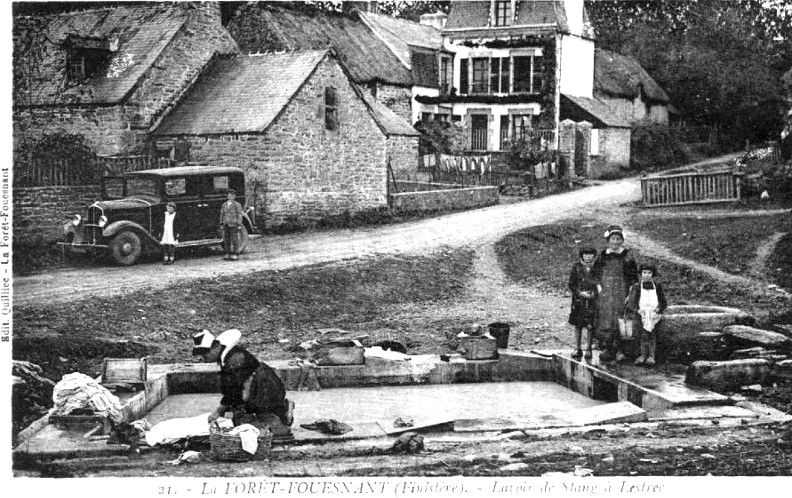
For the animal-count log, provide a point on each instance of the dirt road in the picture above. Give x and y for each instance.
(471, 228)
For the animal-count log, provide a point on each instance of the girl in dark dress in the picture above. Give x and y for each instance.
(617, 271)
(583, 284)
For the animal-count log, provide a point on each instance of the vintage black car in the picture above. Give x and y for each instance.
(128, 221)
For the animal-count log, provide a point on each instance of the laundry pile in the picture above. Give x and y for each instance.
(77, 392)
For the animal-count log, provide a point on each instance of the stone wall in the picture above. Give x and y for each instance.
(438, 200)
(298, 168)
(634, 110)
(403, 154)
(398, 99)
(106, 129)
(40, 212)
(614, 151)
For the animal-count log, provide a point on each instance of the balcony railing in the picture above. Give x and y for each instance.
(478, 139)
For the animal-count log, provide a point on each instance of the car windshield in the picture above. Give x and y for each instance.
(141, 186)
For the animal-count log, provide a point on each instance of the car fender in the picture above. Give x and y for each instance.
(117, 226)
(246, 220)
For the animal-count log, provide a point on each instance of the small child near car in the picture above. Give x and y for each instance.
(647, 301)
(584, 286)
(169, 236)
(230, 225)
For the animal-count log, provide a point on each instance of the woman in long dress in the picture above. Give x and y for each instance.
(617, 270)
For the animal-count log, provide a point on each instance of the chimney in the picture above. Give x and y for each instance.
(372, 7)
(436, 20)
(574, 14)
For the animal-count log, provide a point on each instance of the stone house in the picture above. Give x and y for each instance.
(263, 27)
(311, 142)
(522, 67)
(629, 91)
(419, 47)
(109, 74)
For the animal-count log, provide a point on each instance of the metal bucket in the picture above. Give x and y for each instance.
(500, 331)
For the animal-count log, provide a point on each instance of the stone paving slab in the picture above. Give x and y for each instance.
(702, 412)
(611, 413)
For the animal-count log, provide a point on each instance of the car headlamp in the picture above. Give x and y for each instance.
(77, 219)
(103, 221)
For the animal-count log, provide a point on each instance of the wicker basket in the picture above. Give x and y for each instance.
(228, 447)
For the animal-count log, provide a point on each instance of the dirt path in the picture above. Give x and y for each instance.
(470, 228)
(763, 253)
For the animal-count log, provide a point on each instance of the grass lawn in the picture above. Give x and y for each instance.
(267, 306)
(544, 255)
(729, 244)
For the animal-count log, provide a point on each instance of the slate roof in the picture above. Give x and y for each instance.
(540, 14)
(622, 76)
(261, 27)
(240, 94)
(388, 121)
(142, 31)
(246, 93)
(594, 111)
(411, 33)
(476, 14)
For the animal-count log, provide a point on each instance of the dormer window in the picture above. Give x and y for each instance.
(503, 13)
(86, 56)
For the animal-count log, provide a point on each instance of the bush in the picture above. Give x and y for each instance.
(657, 147)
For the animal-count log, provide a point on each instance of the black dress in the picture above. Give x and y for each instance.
(251, 385)
(584, 311)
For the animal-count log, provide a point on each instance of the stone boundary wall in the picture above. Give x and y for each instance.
(40, 212)
(436, 200)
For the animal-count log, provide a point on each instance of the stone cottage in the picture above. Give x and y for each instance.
(264, 27)
(627, 88)
(109, 74)
(311, 142)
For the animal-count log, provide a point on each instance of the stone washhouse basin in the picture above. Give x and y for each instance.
(695, 331)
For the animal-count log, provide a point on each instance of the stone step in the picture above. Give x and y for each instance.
(749, 336)
(650, 388)
(728, 375)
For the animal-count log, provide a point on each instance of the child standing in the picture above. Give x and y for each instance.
(169, 236)
(584, 286)
(647, 300)
(617, 270)
(230, 224)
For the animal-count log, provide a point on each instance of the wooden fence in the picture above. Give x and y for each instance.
(691, 188)
(48, 172)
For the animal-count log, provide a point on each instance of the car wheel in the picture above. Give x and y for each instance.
(243, 239)
(125, 248)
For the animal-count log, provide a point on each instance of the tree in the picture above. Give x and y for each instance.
(720, 62)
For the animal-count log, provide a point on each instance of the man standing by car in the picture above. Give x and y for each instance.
(230, 225)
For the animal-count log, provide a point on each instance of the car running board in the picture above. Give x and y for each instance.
(204, 242)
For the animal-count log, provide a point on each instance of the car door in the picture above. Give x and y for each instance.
(217, 186)
(187, 207)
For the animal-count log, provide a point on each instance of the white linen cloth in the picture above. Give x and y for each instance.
(249, 436)
(79, 391)
(176, 429)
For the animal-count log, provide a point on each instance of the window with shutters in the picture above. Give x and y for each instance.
(331, 109)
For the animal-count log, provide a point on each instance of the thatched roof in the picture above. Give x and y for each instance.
(618, 75)
(594, 111)
(140, 33)
(240, 94)
(261, 27)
